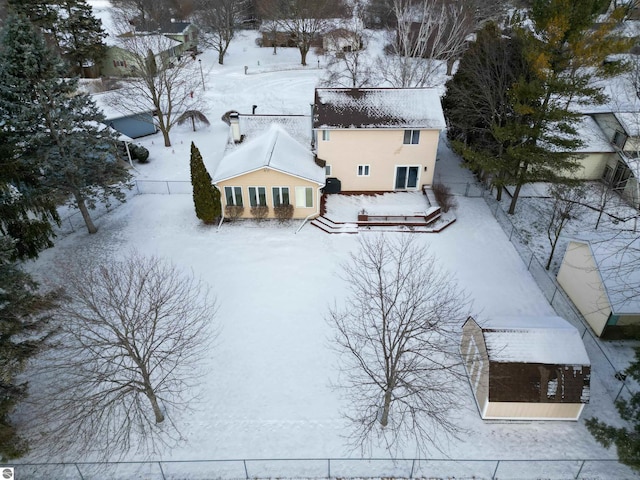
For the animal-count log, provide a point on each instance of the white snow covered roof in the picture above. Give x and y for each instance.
(418, 108)
(591, 134)
(630, 121)
(617, 262)
(274, 149)
(547, 340)
(108, 102)
(298, 126)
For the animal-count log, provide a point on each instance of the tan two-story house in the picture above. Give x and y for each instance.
(377, 139)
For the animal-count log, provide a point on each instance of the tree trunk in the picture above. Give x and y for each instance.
(450, 63)
(165, 135)
(553, 249)
(516, 192)
(303, 55)
(151, 395)
(499, 192)
(85, 212)
(221, 57)
(384, 419)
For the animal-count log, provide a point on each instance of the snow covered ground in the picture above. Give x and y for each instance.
(267, 390)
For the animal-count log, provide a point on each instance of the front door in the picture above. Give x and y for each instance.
(406, 178)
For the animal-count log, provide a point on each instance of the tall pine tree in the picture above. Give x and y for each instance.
(69, 27)
(60, 131)
(24, 331)
(27, 207)
(527, 125)
(81, 37)
(206, 197)
(626, 439)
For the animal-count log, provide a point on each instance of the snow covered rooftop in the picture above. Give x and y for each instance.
(108, 103)
(298, 126)
(547, 340)
(630, 121)
(617, 262)
(274, 149)
(418, 108)
(591, 134)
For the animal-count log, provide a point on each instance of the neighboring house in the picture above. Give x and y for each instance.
(269, 170)
(341, 40)
(602, 279)
(333, 34)
(378, 139)
(184, 32)
(124, 53)
(622, 170)
(131, 124)
(526, 368)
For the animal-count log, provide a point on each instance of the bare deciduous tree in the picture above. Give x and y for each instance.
(352, 68)
(566, 205)
(300, 20)
(167, 83)
(397, 336)
(132, 335)
(219, 19)
(427, 35)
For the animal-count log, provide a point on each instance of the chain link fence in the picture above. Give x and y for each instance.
(562, 305)
(339, 468)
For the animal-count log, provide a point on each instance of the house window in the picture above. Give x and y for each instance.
(280, 196)
(406, 177)
(119, 63)
(619, 139)
(258, 196)
(325, 135)
(304, 197)
(411, 137)
(327, 170)
(233, 195)
(363, 170)
(186, 38)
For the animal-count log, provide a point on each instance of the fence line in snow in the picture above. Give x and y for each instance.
(556, 297)
(317, 468)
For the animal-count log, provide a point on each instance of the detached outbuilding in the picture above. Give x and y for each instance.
(601, 280)
(526, 368)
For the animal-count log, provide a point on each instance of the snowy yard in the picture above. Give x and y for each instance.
(266, 392)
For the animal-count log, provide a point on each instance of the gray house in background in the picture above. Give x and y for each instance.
(131, 124)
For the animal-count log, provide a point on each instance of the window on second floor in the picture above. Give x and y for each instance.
(327, 170)
(411, 137)
(363, 170)
(325, 135)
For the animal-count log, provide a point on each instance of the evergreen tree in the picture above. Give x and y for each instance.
(626, 439)
(206, 196)
(27, 209)
(69, 26)
(24, 332)
(81, 37)
(523, 128)
(61, 132)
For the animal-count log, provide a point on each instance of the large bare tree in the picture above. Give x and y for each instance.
(352, 68)
(428, 34)
(219, 19)
(162, 81)
(133, 333)
(301, 20)
(397, 336)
